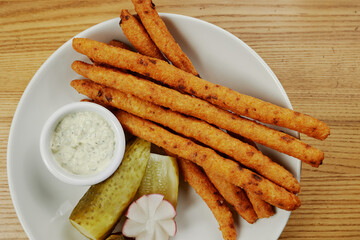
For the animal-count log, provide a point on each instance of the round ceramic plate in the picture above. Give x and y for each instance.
(43, 203)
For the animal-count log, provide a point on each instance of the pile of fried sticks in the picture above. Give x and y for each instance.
(160, 97)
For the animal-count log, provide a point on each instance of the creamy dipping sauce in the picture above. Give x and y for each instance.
(83, 143)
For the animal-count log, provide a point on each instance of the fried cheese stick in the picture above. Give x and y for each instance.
(209, 160)
(235, 196)
(198, 180)
(219, 95)
(193, 128)
(262, 208)
(137, 35)
(203, 110)
(161, 36)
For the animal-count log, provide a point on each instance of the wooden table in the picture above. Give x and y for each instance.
(313, 46)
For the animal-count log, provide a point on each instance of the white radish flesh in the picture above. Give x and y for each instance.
(150, 218)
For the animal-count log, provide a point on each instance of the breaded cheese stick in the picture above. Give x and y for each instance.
(161, 36)
(235, 196)
(203, 110)
(209, 160)
(219, 95)
(262, 208)
(137, 35)
(192, 128)
(198, 180)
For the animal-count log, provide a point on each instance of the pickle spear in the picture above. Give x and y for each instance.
(116, 236)
(99, 210)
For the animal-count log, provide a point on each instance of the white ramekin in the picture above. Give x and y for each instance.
(63, 174)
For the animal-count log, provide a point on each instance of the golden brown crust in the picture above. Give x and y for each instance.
(203, 110)
(216, 94)
(209, 161)
(137, 35)
(262, 208)
(201, 184)
(161, 36)
(234, 196)
(120, 44)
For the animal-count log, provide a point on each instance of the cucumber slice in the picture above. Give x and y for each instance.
(99, 210)
(162, 177)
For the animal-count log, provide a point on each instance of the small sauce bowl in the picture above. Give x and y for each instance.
(54, 166)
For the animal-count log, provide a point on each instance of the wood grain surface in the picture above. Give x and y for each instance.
(313, 46)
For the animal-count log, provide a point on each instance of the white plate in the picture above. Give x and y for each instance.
(43, 203)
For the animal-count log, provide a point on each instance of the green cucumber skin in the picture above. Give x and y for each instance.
(99, 210)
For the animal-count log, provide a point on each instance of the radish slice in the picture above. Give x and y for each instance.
(150, 218)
